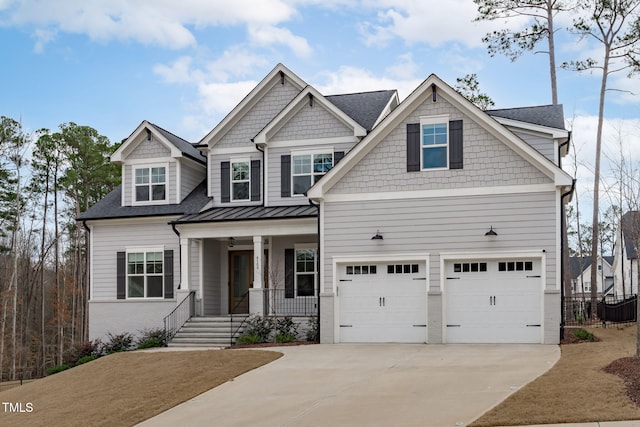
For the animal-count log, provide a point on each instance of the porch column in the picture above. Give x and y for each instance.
(185, 261)
(256, 294)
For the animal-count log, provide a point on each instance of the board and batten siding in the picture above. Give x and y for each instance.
(274, 172)
(545, 146)
(108, 239)
(278, 96)
(311, 122)
(524, 222)
(487, 162)
(192, 174)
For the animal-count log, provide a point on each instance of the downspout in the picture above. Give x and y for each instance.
(264, 173)
(563, 231)
(319, 263)
(173, 227)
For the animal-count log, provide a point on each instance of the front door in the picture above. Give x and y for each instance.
(240, 280)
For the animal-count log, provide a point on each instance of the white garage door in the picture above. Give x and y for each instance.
(383, 302)
(493, 301)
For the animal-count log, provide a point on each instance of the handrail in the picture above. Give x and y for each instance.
(232, 332)
(180, 315)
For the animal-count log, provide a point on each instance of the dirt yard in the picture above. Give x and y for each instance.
(577, 389)
(124, 389)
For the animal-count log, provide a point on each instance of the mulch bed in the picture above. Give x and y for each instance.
(628, 368)
(571, 338)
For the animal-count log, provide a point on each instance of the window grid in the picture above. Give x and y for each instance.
(361, 269)
(434, 145)
(307, 169)
(240, 181)
(305, 272)
(403, 268)
(145, 275)
(470, 267)
(150, 184)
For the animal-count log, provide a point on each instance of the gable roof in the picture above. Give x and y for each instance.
(395, 118)
(110, 206)
(365, 107)
(577, 265)
(631, 231)
(544, 115)
(259, 91)
(178, 146)
(296, 104)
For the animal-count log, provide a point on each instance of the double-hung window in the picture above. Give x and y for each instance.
(305, 272)
(434, 142)
(150, 184)
(307, 169)
(240, 180)
(145, 274)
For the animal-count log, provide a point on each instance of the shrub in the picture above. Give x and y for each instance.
(151, 338)
(56, 369)
(286, 329)
(79, 351)
(257, 329)
(583, 335)
(86, 359)
(313, 331)
(117, 343)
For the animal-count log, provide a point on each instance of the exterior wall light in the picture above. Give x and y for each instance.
(231, 242)
(491, 232)
(378, 236)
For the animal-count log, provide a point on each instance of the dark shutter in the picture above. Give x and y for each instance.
(455, 144)
(337, 156)
(225, 181)
(121, 275)
(168, 273)
(289, 273)
(413, 147)
(255, 180)
(285, 176)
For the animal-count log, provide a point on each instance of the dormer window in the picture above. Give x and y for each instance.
(150, 184)
(240, 180)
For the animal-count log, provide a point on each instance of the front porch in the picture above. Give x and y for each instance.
(245, 266)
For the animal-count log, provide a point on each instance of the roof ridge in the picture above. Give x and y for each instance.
(363, 92)
(522, 108)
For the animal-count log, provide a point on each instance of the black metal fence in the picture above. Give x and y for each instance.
(180, 315)
(277, 303)
(577, 311)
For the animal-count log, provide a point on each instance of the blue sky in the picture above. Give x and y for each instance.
(183, 65)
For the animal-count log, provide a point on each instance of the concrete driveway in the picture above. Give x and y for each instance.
(368, 385)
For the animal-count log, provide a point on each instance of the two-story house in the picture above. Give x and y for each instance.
(423, 221)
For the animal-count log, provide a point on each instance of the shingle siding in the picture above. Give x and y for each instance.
(259, 116)
(312, 122)
(487, 162)
(149, 150)
(215, 160)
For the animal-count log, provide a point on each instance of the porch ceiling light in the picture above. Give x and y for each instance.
(232, 242)
(378, 236)
(491, 232)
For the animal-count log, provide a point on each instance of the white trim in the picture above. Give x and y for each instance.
(164, 219)
(232, 150)
(144, 250)
(91, 264)
(178, 182)
(558, 231)
(137, 137)
(322, 250)
(297, 104)
(123, 181)
(167, 178)
(440, 193)
(138, 162)
(314, 142)
(233, 160)
(272, 227)
(305, 247)
(387, 109)
(531, 127)
(200, 244)
(265, 177)
(256, 94)
(442, 119)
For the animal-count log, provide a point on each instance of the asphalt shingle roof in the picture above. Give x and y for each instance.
(184, 146)
(544, 115)
(109, 207)
(578, 264)
(364, 107)
(631, 231)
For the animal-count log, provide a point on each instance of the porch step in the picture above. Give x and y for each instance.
(208, 332)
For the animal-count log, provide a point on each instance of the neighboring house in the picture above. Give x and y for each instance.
(581, 276)
(425, 221)
(625, 263)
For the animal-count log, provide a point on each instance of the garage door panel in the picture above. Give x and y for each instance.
(495, 305)
(385, 306)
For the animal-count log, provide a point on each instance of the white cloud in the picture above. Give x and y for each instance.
(177, 72)
(427, 22)
(267, 35)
